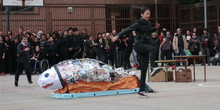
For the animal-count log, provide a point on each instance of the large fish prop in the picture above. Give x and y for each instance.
(71, 71)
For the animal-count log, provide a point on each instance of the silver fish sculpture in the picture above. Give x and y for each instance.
(89, 70)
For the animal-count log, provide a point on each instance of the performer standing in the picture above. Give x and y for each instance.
(142, 40)
(24, 52)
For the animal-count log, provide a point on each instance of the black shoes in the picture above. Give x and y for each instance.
(30, 82)
(16, 83)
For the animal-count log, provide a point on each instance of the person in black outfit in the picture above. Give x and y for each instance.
(24, 52)
(122, 46)
(90, 46)
(70, 42)
(61, 48)
(2, 56)
(78, 44)
(51, 49)
(142, 41)
(155, 42)
(130, 42)
(8, 54)
(112, 52)
(44, 46)
(207, 45)
(14, 54)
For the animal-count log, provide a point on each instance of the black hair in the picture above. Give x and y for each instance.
(24, 36)
(21, 28)
(28, 33)
(136, 11)
(205, 29)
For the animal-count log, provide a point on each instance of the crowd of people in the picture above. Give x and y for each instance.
(71, 44)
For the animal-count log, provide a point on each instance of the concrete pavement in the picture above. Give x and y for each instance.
(197, 95)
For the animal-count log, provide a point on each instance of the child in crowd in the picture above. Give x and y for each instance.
(24, 52)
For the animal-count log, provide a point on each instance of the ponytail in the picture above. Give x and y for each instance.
(136, 12)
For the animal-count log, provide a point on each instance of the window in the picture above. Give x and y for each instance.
(17, 8)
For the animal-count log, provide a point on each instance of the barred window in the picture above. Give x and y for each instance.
(17, 8)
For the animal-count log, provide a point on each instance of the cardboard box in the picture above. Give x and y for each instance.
(161, 76)
(183, 75)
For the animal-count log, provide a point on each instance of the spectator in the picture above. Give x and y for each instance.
(30, 40)
(44, 46)
(78, 44)
(106, 42)
(8, 54)
(92, 47)
(194, 45)
(20, 33)
(188, 36)
(155, 42)
(14, 54)
(36, 42)
(179, 44)
(216, 42)
(61, 47)
(70, 41)
(218, 31)
(1, 34)
(48, 35)
(112, 52)
(122, 46)
(206, 45)
(2, 56)
(84, 34)
(128, 51)
(166, 47)
(52, 53)
(135, 56)
(114, 32)
(101, 49)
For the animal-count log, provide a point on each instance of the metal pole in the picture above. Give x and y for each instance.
(205, 15)
(7, 12)
(156, 11)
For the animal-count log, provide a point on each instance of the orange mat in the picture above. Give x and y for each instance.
(82, 86)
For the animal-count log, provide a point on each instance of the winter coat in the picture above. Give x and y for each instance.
(175, 43)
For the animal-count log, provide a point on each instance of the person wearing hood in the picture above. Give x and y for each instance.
(142, 41)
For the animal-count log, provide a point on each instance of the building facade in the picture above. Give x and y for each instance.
(105, 15)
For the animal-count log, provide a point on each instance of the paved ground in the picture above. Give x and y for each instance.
(197, 95)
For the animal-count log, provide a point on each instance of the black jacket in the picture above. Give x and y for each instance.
(24, 56)
(2, 49)
(143, 31)
(209, 42)
(155, 42)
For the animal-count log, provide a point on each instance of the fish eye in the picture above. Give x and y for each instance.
(46, 75)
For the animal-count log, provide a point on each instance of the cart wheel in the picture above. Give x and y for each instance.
(44, 65)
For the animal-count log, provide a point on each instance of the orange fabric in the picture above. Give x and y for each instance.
(82, 86)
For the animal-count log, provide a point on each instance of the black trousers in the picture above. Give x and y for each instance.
(2, 64)
(127, 57)
(23, 66)
(167, 54)
(112, 58)
(143, 50)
